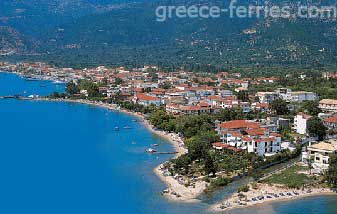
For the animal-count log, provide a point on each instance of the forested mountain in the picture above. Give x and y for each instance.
(90, 33)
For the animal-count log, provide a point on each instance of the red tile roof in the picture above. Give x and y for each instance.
(145, 97)
(236, 124)
(332, 119)
(225, 146)
(305, 116)
(246, 139)
(264, 139)
(254, 132)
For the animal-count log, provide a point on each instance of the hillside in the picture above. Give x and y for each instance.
(128, 34)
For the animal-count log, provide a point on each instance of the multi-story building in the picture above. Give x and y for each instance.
(265, 145)
(331, 122)
(318, 155)
(300, 123)
(267, 97)
(295, 96)
(328, 105)
(250, 136)
(146, 100)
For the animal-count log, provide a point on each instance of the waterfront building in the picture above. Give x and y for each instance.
(251, 136)
(146, 100)
(318, 155)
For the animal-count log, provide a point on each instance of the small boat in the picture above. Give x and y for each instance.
(126, 127)
(155, 144)
(58, 82)
(134, 121)
(116, 128)
(165, 191)
(150, 150)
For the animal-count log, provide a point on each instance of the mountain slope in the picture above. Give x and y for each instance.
(128, 34)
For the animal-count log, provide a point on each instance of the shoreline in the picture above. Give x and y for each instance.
(179, 192)
(266, 190)
(186, 194)
(175, 191)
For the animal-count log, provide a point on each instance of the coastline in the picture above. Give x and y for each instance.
(179, 192)
(175, 191)
(236, 202)
(184, 194)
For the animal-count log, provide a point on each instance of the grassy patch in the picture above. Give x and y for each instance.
(289, 177)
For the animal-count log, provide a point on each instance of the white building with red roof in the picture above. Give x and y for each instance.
(331, 122)
(250, 136)
(146, 100)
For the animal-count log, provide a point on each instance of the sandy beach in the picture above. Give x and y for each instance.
(265, 193)
(177, 190)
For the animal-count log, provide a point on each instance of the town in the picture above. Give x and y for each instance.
(227, 124)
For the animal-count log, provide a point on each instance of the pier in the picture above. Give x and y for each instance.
(163, 153)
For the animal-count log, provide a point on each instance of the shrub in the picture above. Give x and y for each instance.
(244, 188)
(220, 182)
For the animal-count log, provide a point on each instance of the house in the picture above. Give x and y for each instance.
(84, 93)
(300, 123)
(146, 100)
(245, 107)
(195, 110)
(261, 107)
(250, 136)
(300, 96)
(265, 145)
(328, 105)
(318, 154)
(225, 93)
(331, 122)
(267, 97)
(221, 146)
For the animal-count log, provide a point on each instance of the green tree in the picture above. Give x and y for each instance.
(72, 88)
(197, 148)
(181, 164)
(279, 106)
(243, 96)
(316, 128)
(331, 174)
(311, 107)
(210, 165)
(165, 85)
(93, 91)
(118, 81)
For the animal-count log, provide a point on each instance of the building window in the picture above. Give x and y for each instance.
(317, 158)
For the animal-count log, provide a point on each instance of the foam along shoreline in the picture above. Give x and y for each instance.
(176, 190)
(265, 193)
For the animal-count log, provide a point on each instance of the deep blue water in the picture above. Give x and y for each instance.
(11, 85)
(66, 158)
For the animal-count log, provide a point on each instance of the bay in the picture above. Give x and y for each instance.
(58, 157)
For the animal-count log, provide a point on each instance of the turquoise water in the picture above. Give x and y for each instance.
(66, 158)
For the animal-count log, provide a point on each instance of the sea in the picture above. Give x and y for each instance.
(58, 157)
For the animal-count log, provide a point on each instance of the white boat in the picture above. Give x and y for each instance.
(150, 150)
